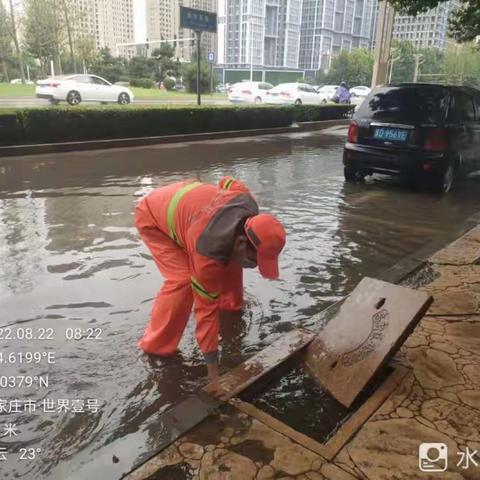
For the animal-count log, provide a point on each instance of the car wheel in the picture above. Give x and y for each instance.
(324, 101)
(298, 101)
(54, 101)
(353, 175)
(443, 182)
(124, 98)
(74, 98)
(258, 100)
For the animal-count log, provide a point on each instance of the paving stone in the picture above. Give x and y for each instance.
(293, 459)
(444, 347)
(453, 302)
(473, 373)
(266, 473)
(433, 369)
(389, 450)
(449, 396)
(404, 412)
(332, 472)
(225, 465)
(191, 450)
(471, 398)
(452, 419)
(464, 251)
(343, 359)
(314, 476)
(464, 335)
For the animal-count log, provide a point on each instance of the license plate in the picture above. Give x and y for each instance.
(390, 134)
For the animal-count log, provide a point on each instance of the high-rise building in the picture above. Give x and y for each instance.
(108, 22)
(427, 29)
(329, 26)
(261, 33)
(163, 23)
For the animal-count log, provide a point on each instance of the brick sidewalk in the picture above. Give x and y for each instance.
(438, 401)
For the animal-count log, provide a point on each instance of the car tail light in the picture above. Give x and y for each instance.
(246, 92)
(229, 89)
(285, 94)
(436, 140)
(53, 85)
(352, 136)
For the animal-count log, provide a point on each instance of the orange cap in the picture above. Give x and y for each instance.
(268, 236)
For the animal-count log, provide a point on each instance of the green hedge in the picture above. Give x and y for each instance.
(52, 125)
(142, 82)
(312, 113)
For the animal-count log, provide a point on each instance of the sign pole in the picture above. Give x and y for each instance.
(199, 36)
(211, 79)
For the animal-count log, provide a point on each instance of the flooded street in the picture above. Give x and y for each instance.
(72, 265)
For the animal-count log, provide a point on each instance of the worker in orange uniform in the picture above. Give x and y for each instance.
(201, 236)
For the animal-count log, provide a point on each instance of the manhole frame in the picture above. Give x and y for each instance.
(332, 447)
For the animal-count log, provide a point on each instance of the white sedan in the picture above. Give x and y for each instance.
(249, 92)
(328, 91)
(295, 93)
(360, 91)
(82, 88)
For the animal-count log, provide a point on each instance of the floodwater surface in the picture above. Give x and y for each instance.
(76, 282)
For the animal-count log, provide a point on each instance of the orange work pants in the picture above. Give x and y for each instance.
(174, 301)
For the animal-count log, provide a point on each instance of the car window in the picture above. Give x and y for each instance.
(405, 104)
(82, 79)
(265, 86)
(310, 89)
(302, 88)
(462, 110)
(98, 81)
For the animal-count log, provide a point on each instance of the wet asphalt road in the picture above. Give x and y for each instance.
(71, 259)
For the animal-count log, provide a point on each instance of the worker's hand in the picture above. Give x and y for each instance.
(213, 372)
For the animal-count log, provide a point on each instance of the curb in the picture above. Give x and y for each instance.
(36, 149)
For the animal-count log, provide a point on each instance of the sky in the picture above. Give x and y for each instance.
(139, 19)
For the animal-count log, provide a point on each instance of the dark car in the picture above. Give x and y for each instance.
(427, 133)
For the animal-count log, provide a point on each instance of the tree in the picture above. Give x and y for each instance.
(109, 67)
(42, 32)
(5, 42)
(85, 50)
(68, 8)
(142, 67)
(403, 69)
(11, 25)
(167, 66)
(464, 21)
(353, 68)
(190, 77)
(461, 65)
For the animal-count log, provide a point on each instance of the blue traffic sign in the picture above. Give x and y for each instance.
(198, 20)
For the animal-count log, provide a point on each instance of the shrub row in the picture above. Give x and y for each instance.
(51, 125)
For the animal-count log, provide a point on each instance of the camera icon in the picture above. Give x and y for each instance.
(433, 457)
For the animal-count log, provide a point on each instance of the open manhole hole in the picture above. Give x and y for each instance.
(295, 405)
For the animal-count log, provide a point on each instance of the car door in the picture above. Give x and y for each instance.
(84, 86)
(263, 88)
(305, 95)
(476, 99)
(103, 90)
(462, 128)
(315, 98)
